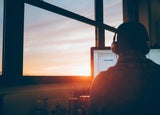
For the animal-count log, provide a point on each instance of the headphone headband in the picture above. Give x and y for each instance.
(114, 44)
(127, 36)
(114, 37)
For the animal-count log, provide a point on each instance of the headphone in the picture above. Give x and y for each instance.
(115, 46)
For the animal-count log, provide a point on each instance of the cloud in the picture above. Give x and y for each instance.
(113, 16)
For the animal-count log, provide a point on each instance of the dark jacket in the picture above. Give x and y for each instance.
(131, 87)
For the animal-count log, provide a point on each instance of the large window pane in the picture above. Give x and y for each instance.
(1, 35)
(113, 16)
(108, 38)
(55, 45)
(81, 7)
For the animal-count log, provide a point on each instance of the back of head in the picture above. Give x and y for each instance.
(131, 36)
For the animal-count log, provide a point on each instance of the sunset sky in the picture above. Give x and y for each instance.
(1, 26)
(57, 45)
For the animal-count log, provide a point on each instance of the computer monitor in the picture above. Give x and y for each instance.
(154, 55)
(103, 58)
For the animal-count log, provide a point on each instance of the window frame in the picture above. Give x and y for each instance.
(100, 27)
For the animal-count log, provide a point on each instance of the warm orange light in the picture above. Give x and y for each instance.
(81, 70)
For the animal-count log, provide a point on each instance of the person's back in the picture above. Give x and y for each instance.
(132, 86)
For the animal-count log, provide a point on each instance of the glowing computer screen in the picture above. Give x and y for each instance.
(101, 59)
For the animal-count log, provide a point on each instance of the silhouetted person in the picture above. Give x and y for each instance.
(132, 86)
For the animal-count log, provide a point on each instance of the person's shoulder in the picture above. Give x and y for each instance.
(105, 74)
(152, 69)
(154, 64)
(103, 78)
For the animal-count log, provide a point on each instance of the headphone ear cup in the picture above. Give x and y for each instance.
(146, 49)
(114, 47)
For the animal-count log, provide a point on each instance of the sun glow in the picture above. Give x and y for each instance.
(83, 70)
(52, 71)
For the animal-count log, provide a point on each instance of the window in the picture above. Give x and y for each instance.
(113, 16)
(55, 45)
(108, 38)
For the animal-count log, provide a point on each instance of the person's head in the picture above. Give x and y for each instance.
(130, 36)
